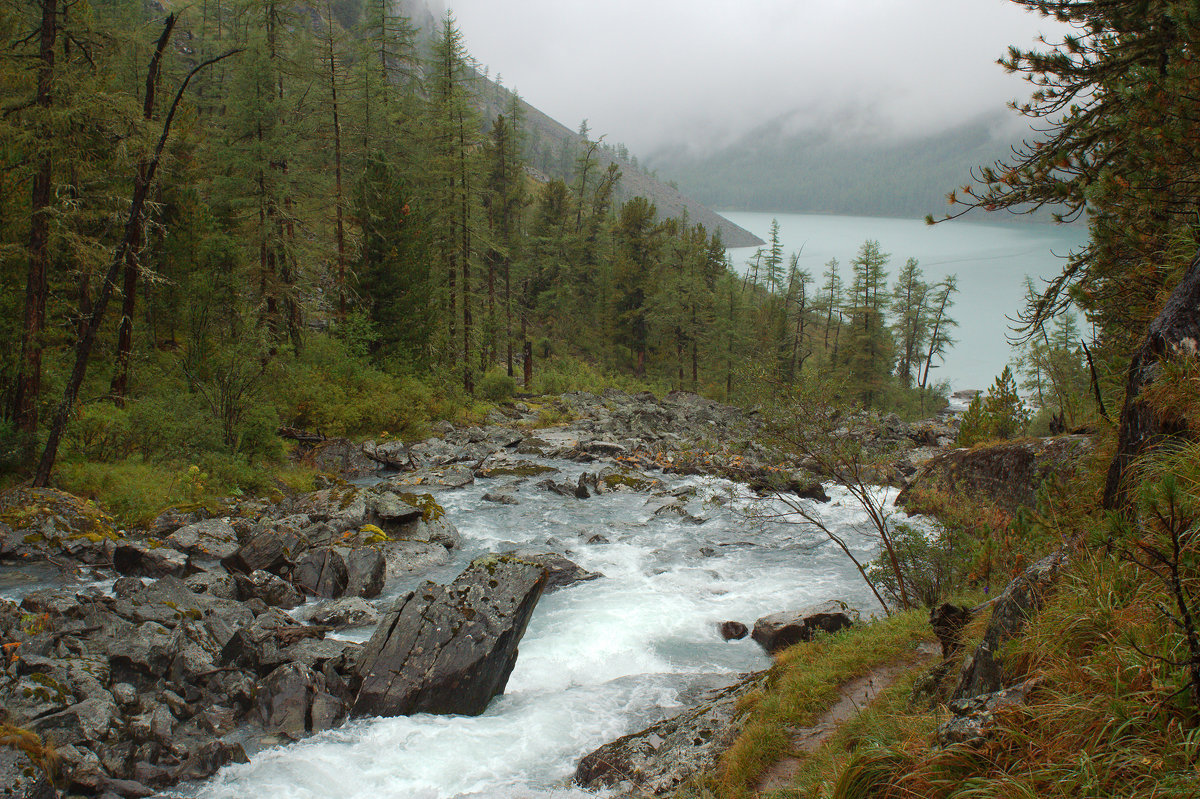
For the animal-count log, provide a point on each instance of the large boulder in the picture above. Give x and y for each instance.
(780, 630)
(665, 754)
(275, 591)
(983, 671)
(293, 700)
(270, 550)
(1007, 474)
(143, 560)
(322, 572)
(450, 649)
(214, 538)
(366, 569)
(974, 718)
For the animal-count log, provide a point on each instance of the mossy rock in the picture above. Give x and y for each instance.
(517, 470)
(631, 480)
(430, 509)
(72, 518)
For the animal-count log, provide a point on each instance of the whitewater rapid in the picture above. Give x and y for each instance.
(600, 659)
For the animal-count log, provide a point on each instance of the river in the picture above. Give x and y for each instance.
(600, 659)
(991, 261)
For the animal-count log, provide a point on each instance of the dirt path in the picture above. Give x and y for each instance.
(853, 697)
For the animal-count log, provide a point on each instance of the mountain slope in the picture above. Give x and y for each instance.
(552, 148)
(836, 171)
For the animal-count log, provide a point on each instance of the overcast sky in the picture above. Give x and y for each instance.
(670, 73)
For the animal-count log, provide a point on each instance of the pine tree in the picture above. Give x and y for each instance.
(1115, 113)
(454, 137)
(940, 324)
(869, 350)
(637, 242)
(910, 328)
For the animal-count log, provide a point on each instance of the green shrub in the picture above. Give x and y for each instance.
(932, 566)
(100, 432)
(496, 386)
(133, 490)
(1001, 414)
(173, 425)
(330, 389)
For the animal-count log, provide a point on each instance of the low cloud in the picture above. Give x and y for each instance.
(700, 73)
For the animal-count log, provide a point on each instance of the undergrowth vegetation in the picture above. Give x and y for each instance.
(802, 683)
(1113, 657)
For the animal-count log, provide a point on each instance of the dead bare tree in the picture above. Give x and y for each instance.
(821, 436)
(133, 227)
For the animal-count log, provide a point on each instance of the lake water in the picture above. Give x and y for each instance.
(991, 262)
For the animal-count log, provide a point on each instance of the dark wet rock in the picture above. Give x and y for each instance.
(975, 717)
(947, 621)
(214, 583)
(502, 466)
(983, 671)
(435, 530)
(168, 601)
(614, 479)
(450, 649)
(665, 754)
(142, 560)
(270, 588)
(443, 477)
(270, 550)
(129, 789)
(172, 519)
(393, 508)
(561, 572)
(322, 572)
(501, 498)
(366, 571)
(213, 538)
(140, 651)
(768, 482)
(205, 760)
(51, 602)
(259, 646)
(10, 544)
(562, 489)
(732, 630)
(780, 630)
(84, 721)
(598, 538)
(342, 457)
(293, 700)
(349, 612)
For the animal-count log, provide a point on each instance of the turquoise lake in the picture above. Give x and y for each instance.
(991, 261)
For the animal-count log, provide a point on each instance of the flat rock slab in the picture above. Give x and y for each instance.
(658, 758)
(450, 649)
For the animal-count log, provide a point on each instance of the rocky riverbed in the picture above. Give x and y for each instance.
(156, 657)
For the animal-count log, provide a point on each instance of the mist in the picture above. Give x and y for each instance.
(700, 74)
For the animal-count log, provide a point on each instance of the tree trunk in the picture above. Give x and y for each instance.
(1174, 332)
(83, 347)
(29, 378)
(337, 171)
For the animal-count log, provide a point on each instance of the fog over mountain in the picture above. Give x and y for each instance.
(699, 74)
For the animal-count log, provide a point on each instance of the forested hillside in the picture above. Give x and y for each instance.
(261, 213)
